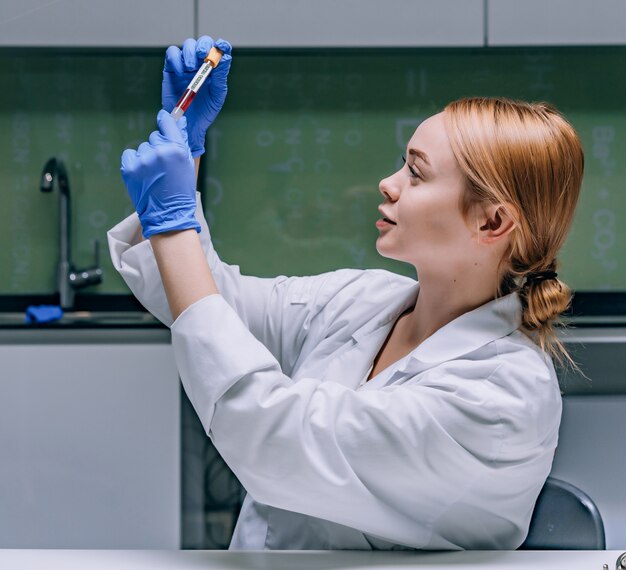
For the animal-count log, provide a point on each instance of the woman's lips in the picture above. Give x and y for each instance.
(384, 223)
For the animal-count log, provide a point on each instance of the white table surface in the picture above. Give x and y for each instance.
(292, 559)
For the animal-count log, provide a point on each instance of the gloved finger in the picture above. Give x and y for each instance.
(169, 128)
(182, 126)
(129, 161)
(190, 62)
(224, 46)
(143, 148)
(221, 71)
(203, 46)
(174, 60)
(155, 138)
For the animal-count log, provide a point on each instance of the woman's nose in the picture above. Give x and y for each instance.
(388, 189)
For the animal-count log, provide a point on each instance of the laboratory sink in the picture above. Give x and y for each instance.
(85, 319)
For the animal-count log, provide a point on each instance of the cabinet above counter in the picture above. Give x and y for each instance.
(345, 23)
(557, 22)
(307, 24)
(280, 23)
(90, 23)
(245, 23)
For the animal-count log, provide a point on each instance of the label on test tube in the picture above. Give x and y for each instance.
(199, 78)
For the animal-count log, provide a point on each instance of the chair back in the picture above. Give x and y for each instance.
(565, 518)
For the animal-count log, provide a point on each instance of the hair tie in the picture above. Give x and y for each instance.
(540, 276)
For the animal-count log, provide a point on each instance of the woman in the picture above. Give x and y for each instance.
(363, 409)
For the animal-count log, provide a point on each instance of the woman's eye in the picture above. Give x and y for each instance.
(413, 172)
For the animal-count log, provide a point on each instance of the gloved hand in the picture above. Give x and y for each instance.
(180, 67)
(161, 178)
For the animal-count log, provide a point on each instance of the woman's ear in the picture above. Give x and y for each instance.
(495, 223)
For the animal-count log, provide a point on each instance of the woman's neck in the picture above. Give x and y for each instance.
(441, 300)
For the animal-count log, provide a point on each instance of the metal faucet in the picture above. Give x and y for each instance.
(68, 279)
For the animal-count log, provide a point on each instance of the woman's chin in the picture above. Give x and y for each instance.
(385, 251)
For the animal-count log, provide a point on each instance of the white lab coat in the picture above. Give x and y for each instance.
(447, 448)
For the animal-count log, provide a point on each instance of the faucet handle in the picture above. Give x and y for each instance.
(90, 276)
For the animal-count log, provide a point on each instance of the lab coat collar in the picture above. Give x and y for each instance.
(468, 332)
(471, 330)
(394, 307)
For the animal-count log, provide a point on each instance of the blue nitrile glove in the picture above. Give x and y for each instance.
(161, 178)
(180, 67)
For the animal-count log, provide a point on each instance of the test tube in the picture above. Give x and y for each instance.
(210, 61)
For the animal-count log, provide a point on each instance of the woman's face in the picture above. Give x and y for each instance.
(423, 199)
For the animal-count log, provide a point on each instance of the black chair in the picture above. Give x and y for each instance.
(565, 518)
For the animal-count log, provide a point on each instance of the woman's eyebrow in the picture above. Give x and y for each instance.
(421, 155)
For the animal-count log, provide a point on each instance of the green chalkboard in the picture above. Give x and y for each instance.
(293, 162)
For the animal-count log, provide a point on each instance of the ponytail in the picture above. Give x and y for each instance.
(544, 300)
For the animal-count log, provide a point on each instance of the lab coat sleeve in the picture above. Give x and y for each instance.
(263, 304)
(392, 462)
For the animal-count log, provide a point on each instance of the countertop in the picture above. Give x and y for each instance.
(305, 560)
(84, 319)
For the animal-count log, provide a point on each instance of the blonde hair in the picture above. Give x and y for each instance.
(528, 158)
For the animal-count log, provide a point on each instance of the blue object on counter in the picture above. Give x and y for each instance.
(43, 313)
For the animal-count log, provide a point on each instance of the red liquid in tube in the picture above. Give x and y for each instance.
(186, 99)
